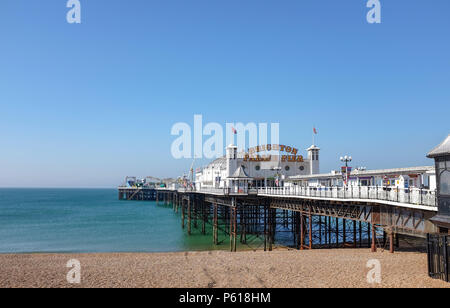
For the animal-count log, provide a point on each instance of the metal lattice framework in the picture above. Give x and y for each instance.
(257, 221)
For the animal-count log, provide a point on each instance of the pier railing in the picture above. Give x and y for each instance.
(215, 191)
(229, 191)
(407, 196)
(414, 196)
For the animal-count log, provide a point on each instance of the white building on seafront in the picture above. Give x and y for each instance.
(262, 166)
(412, 177)
(279, 165)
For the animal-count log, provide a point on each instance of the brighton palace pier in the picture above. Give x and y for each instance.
(255, 195)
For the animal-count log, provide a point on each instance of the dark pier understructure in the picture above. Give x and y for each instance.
(259, 221)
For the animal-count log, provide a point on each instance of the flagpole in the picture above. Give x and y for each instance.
(313, 137)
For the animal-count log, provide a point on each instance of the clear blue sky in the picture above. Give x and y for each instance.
(85, 105)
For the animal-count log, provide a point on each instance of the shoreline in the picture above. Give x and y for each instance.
(280, 268)
(242, 249)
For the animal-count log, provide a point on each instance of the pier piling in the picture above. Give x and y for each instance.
(301, 224)
(189, 216)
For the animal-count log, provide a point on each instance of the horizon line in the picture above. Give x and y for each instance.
(50, 187)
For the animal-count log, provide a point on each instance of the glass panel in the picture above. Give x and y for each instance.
(445, 183)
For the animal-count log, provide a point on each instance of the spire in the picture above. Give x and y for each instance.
(442, 149)
(313, 147)
(240, 174)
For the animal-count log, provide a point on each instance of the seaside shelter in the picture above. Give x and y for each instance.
(441, 156)
(240, 181)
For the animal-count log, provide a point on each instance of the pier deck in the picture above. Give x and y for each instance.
(314, 218)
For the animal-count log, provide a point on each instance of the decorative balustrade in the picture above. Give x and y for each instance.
(229, 191)
(215, 191)
(413, 196)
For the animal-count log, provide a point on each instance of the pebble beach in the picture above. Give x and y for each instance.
(337, 268)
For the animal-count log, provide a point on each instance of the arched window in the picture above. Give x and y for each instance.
(444, 184)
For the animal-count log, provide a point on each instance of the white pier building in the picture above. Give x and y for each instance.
(259, 167)
(256, 169)
(413, 177)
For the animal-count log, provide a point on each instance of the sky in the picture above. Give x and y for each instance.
(84, 105)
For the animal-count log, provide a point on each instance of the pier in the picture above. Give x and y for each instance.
(360, 208)
(329, 217)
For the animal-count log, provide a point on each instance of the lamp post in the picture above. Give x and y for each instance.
(217, 179)
(277, 176)
(346, 159)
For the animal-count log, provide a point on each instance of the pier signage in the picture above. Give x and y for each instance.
(293, 157)
(273, 147)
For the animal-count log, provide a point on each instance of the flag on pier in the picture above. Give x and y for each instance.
(313, 135)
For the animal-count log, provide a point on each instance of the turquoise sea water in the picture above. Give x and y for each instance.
(90, 220)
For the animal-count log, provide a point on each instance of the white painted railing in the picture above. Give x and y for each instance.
(215, 191)
(413, 196)
(229, 191)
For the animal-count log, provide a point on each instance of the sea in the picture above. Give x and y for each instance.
(95, 221)
(92, 220)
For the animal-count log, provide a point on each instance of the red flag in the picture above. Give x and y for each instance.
(315, 130)
(234, 130)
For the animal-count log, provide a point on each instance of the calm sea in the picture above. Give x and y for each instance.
(90, 220)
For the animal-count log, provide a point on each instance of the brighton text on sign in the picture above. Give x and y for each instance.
(252, 156)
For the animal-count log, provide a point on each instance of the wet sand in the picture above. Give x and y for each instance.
(280, 268)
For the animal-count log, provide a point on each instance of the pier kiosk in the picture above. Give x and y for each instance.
(441, 156)
(240, 181)
(438, 245)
